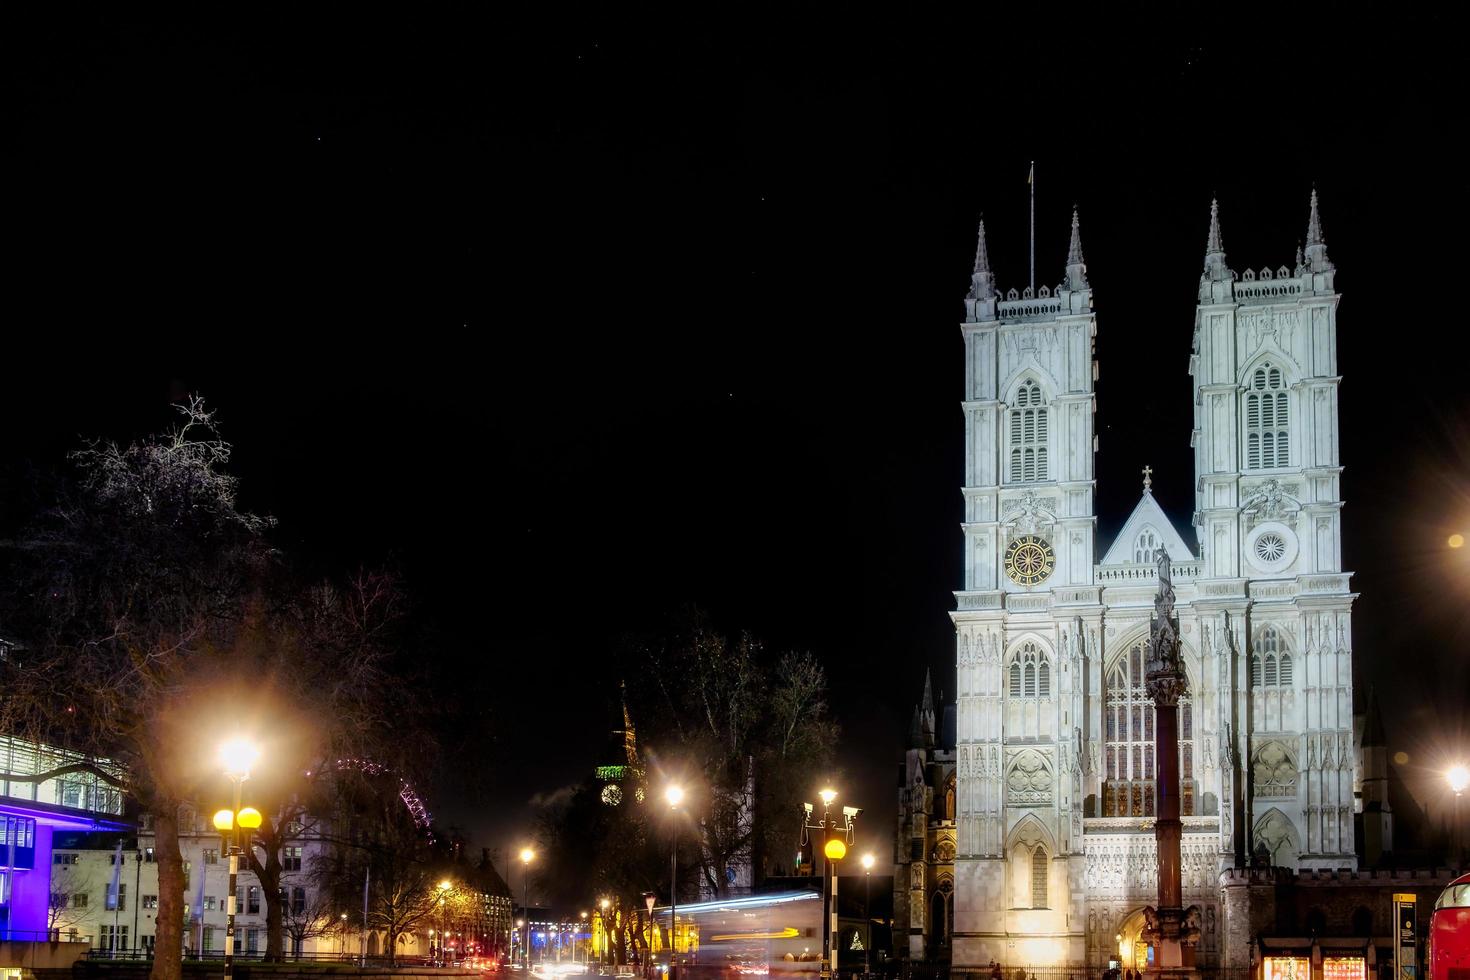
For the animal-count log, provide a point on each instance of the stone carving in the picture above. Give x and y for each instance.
(1276, 836)
(1030, 512)
(1271, 500)
(1164, 672)
(1029, 778)
(1274, 771)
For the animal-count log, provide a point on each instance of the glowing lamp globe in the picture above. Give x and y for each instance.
(674, 795)
(835, 850)
(224, 820)
(527, 855)
(249, 817)
(1459, 778)
(238, 755)
(828, 795)
(868, 862)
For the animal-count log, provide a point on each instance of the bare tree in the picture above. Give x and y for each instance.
(130, 593)
(67, 906)
(378, 840)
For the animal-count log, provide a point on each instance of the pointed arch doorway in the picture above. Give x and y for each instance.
(1134, 952)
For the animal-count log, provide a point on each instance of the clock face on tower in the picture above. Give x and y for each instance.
(1029, 560)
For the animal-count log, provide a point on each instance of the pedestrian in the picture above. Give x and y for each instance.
(995, 973)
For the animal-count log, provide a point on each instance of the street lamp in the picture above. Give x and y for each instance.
(674, 796)
(444, 887)
(237, 756)
(1458, 777)
(649, 898)
(867, 916)
(834, 849)
(577, 939)
(527, 856)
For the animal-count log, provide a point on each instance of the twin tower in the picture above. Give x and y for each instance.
(1054, 779)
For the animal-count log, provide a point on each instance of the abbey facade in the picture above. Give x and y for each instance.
(1054, 771)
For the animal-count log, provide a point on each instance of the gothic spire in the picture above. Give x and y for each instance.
(1373, 723)
(1076, 267)
(1316, 247)
(928, 703)
(1215, 268)
(982, 282)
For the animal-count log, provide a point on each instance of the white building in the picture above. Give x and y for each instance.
(1055, 771)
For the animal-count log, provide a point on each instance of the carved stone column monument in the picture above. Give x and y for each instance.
(1172, 929)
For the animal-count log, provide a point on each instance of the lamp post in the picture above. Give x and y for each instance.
(342, 946)
(586, 952)
(867, 915)
(1459, 779)
(444, 887)
(238, 755)
(674, 795)
(527, 856)
(649, 898)
(834, 849)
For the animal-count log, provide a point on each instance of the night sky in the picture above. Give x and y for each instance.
(583, 317)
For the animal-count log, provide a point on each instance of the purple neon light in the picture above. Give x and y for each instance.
(30, 890)
(63, 819)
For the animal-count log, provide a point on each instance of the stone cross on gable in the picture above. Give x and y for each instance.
(1147, 481)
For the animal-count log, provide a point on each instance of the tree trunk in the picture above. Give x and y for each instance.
(392, 935)
(270, 883)
(168, 963)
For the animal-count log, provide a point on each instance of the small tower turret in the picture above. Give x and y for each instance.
(1076, 267)
(1215, 281)
(980, 303)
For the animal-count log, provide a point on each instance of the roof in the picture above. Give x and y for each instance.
(1146, 516)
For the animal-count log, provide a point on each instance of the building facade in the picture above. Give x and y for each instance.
(1054, 750)
(924, 844)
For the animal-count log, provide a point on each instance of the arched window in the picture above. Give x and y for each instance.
(1030, 673)
(1038, 878)
(1146, 547)
(1267, 426)
(1129, 788)
(1028, 434)
(1271, 650)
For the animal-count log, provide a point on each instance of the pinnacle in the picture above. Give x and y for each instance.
(1074, 250)
(982, 281)
(982, 256)
(1214, 244)
(1314, 223)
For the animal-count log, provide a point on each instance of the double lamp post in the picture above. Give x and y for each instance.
(238, 756)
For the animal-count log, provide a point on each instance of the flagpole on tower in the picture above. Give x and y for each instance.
(1031, 183)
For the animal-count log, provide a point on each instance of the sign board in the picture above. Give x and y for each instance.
(1405, 938)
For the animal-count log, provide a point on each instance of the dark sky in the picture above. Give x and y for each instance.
(584, 317)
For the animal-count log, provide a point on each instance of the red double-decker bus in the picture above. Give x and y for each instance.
(1449, 933)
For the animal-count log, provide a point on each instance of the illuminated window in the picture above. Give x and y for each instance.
(1038, 878)
(1129, 777)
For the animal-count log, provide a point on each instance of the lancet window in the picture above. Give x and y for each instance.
(1271, 664)
(1267, 426)
(1028, 434)
(1029, 675)
(1130, 783)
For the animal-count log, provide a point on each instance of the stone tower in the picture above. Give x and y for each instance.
(1272, 595)
(1028, 598)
